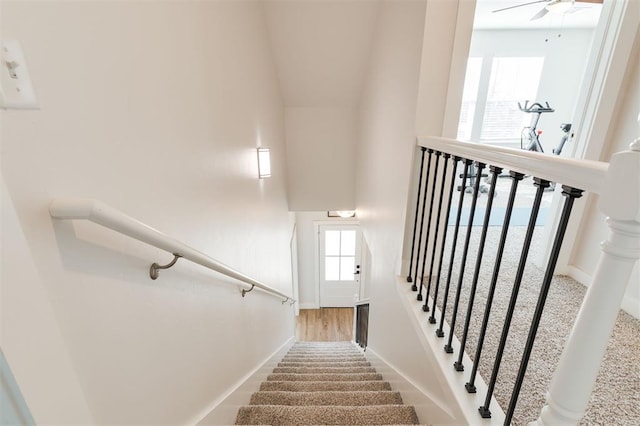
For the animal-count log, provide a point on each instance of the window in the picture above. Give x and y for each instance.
(469, 98)
(512, 80)
(340, 255)
(492, 98)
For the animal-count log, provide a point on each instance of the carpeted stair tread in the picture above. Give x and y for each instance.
(330, 354)
(326, 398)
(326, 415)
(321, 370)
(322, 359)
(324, 386)
(329, 384)
(326, 351)
(325, 364)
(347, 377)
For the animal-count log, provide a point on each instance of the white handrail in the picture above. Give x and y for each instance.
(580, 174)
(102, 214)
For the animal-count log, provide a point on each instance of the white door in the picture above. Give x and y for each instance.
(339, 265)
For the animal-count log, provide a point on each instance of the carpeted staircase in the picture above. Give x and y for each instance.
(325, 383)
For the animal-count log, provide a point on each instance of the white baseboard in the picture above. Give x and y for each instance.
(467, 403)
(579, 275)
(629, 304)
(428, 411)
(223, 410)
(309, 306)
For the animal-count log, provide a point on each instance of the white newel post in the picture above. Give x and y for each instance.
(576, 373)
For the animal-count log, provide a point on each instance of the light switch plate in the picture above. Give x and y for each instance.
(16, 88)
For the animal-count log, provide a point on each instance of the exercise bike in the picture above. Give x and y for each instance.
(532, 134)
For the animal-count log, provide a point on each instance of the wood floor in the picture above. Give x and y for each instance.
(325, 325)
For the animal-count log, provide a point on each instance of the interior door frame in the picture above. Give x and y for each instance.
(316, 250)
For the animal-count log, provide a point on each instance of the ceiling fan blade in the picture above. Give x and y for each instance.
(540, 14)
(519, 5)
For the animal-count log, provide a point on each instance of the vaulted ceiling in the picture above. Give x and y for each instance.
(321, 47)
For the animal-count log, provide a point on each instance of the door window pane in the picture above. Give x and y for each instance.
(331, 268)
(347, 267)
(332, 243)
(348, 243)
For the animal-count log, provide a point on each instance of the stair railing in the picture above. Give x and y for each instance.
(575, 374)
(102, 214)
(361, 323)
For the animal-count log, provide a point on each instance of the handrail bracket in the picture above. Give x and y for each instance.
(154, 270)
(245, 291)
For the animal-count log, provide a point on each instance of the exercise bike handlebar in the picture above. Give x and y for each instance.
(535, 107)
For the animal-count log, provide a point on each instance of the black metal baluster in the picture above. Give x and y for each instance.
(535, 208)
(516, 177)
(415, 219)
(414, 287)
(425, 307)
(432, 319)
(467, 163)
(495, 171)
(476, 190)
(570, 195)
(426, 242)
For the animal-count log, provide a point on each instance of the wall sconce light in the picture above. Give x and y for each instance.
(264, 163)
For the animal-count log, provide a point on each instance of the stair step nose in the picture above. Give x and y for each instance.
(327, 415)
(326, 398)
(318, 358)
(347, 377)
(325, 364)
(320, 386)
(328, 370)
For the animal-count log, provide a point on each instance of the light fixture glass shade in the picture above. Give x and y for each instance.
(264, 163)
(559, 6)
(346, 213)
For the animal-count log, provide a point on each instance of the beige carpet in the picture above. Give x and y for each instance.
(616, 398)
(325, 384)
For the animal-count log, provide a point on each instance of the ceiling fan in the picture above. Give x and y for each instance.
(557, 6)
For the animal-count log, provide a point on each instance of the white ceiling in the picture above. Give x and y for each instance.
(321, 49)
(583, 15)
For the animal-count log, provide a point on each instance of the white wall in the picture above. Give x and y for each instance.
(30, 334)
(385, 151)
(625, 130)
(155, 108)
(565, 52)
(307, 253)
(320, 158)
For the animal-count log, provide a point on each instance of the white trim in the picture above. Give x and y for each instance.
(629, 304)
(428, 410)
(295, 274)
(458, 66)
(309, 306)
(583, 174)
(466, 403)
(579, 275)
(613, 42)
(316, 251)
(223, 410)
